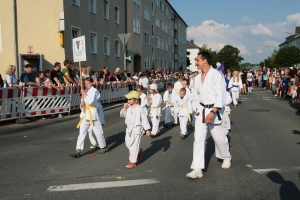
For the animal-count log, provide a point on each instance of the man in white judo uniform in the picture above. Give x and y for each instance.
(208, 103)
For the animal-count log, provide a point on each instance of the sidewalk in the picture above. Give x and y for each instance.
(12, 128)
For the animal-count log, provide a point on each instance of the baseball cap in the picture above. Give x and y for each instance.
(153, 86)
(132, 95)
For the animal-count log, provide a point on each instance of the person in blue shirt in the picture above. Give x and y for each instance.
(284, 85)
(27, 77)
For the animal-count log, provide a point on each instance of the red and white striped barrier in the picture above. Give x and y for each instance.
(37, 101)
(10, 103)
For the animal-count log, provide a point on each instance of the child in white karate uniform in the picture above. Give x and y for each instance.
(169, 108)
(92, 136)
(178, 85)
(90, 117)
(143, 97)
(136, 121)
(154, 101)
(183, 107)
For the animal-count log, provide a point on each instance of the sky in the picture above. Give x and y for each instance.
(255, 27)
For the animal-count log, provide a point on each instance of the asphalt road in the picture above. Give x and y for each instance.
(264, 141)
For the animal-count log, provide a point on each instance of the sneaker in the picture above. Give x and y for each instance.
(76, 154)
(139, 157)
(94, 146)
(275, 95)
(166, 126)
(101, 151)
(226, 163)
(130, 165)
(182, 136)
(196, 173)
(153, 136)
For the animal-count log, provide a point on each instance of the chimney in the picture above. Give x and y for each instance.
(192, 41)
(297, 29)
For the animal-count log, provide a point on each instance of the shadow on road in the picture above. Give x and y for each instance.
(296, 132)
(156, 146)
(115, 140)
(288, 190)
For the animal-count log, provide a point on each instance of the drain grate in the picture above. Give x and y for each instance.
(259, 110)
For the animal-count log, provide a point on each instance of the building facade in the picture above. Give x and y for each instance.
(45, 32)
(193, 51)
(292, 40)
(158, 35)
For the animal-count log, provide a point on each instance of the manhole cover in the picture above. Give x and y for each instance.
(259, 110)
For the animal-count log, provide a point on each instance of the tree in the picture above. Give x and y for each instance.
(287, 56)
(213, 54)
(229, 55)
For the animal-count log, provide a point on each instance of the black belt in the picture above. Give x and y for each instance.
(208, 106)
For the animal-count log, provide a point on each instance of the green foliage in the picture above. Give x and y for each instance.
(287, 57)
(229, 55)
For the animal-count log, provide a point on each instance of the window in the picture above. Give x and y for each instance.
(157, 3)
(92, 6)
(146, 14)
(152, 30)
(157, 63)
(152, 8)
(93, 43)
(136, 24)
(147, 62)
(157, 43)
(105, 9)
(75, 32)
(157, 22)
(162, 45)
(167, 47)
(117, 15)
(152, 53)
(117, 48)
(167, 11)
(106, 48)
(161, 25)
(137, 2)
(147, 38)
(75, 3)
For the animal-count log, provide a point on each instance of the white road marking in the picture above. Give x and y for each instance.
(99, 185)
(265, 171)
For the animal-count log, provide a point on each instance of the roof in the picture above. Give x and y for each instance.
(191, 45)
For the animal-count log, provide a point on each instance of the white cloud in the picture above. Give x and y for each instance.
(250, 39)
(246, 19)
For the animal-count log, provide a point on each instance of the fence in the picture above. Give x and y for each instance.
(38, 101)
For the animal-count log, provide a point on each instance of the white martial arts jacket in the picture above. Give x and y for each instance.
(235, 86)
(136, 121)
(155, 109)
(210, 92)
(183, 107)
(143, 104)
(177, 86)
(92, 100)
(192, 83)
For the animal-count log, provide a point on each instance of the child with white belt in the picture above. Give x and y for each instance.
(136, 121)
(169, 108)
(183, 107)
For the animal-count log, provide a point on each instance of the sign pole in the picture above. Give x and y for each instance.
(124, 48)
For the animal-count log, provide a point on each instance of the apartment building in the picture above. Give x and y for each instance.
(45, 29)
(158, 35)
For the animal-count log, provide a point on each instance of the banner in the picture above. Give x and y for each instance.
(79, 51)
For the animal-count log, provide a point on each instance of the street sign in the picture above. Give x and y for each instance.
(79, 51)
(124, 38)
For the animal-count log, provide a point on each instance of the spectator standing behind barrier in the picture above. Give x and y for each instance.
(84, 73)
(73, 72)
(66, 73)
(11, 78)
(1, 81)
(27, 78)
(57, 76)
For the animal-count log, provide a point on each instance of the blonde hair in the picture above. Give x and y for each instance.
(184, 81)
(9, 69)
(236, 76)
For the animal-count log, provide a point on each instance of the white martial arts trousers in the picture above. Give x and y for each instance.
(218, 133)
(97, 130)
(235, 97)
(183, 125)
(155, 125)
(133, 145)
(168, 115)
